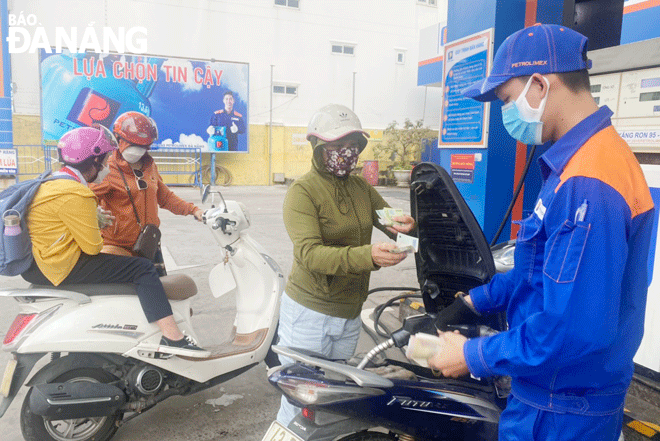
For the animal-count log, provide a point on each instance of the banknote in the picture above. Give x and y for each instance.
(406, 244)
(386, 214)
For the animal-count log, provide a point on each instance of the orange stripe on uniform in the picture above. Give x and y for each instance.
(608, 158)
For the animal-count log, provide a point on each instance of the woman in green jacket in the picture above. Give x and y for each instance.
(329, 215)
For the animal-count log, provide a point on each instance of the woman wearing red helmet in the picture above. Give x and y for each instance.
(66, 241)
(131, 166)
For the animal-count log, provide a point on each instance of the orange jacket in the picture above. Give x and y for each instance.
(112, 196)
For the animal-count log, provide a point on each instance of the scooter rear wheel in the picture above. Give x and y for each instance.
(37, 428)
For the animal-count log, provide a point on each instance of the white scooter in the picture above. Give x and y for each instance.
(105, 368)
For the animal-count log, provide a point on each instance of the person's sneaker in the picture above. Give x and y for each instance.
(187, 346)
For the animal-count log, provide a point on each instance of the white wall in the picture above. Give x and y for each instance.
(296, 41)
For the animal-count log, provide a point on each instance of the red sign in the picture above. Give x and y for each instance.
(462, 161)
(8, 162)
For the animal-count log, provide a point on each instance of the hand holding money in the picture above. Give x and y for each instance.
(423, 346)
(405, 244)
(450, 360)
(383, 257)
(386, 214)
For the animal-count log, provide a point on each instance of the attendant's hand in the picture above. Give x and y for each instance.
(382, 256)
(450, 359)
(198, 214)
(407, 221)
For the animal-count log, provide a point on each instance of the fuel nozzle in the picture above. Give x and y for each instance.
(413, 325)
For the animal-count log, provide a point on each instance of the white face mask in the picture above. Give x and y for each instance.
(521, 120)
(100, 176)
(133, 154)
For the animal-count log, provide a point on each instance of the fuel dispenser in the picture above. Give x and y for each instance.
(627, 79)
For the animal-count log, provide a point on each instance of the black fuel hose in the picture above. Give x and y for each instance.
(380, 308)
(515, 196)
(386, 333)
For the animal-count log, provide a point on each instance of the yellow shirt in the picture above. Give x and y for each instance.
(62, 224)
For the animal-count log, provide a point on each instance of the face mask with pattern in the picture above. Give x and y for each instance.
(341, 162)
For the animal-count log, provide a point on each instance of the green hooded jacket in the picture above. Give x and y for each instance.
(330, 221)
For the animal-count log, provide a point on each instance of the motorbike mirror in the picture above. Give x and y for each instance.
(207, 191)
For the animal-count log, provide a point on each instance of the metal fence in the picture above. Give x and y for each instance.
(31, 161)
(184, 162)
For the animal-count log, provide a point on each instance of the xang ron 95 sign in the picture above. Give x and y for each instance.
(195, 103)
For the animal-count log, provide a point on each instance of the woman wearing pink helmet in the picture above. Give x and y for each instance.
(66, 240)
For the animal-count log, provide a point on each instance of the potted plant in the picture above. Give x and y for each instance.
(403, 147)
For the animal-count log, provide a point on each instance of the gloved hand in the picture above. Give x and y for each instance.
(104, 217)
(233, 128)
(210, 130)
(459, 312)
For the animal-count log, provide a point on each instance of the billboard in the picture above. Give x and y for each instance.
(195, 103)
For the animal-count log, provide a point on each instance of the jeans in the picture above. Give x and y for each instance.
(301, 327)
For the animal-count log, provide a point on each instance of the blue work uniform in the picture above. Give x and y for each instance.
(223, 119)
(576, 296)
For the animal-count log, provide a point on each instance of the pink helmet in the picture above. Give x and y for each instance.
(84, 142)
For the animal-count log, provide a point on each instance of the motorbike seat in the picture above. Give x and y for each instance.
(177, 287)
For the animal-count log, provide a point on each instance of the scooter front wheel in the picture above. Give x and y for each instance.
(38, 428)
(368, 436)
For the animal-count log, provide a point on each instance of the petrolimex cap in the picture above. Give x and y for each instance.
(542, 49)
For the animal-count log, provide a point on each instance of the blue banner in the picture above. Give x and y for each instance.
(195, 103)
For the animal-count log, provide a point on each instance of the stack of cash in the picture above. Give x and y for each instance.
(386, 214)
(405, 244)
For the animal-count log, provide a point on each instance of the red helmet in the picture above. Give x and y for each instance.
(136, 128)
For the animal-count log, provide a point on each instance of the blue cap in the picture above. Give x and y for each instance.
(542, 49)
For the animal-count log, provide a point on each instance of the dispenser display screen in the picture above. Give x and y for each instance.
(640, 92)
(649, 96)
(605, 90)
(637, 118)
